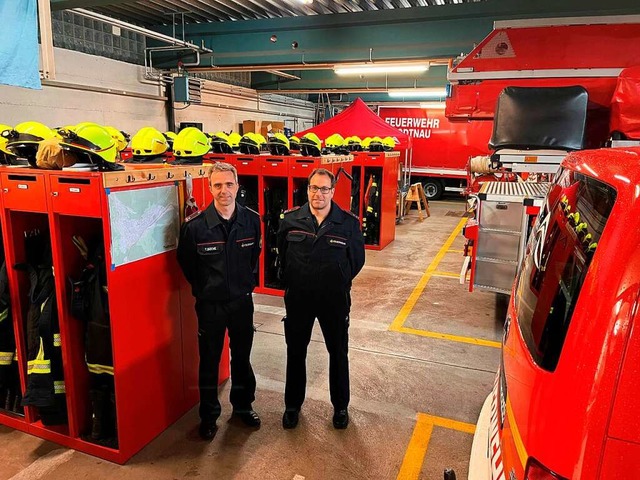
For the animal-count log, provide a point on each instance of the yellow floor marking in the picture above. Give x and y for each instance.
(419, 443)
(417, 291)
(453, 338)
(446, 274)
(417, 449)
(398, 323)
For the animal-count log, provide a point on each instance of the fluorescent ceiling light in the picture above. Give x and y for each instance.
(380, 68)
(430, 92)
(433, 105)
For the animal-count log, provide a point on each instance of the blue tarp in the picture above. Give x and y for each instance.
(19, 54)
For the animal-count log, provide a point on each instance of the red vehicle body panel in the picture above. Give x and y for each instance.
(441, 147)
(580, 420)
(590, 54)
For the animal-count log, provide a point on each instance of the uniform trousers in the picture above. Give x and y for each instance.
(214, 319)
(332, 311)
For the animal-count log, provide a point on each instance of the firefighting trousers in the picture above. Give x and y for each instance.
(332, 312)
(214, 319)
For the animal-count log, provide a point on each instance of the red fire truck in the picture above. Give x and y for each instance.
(565, 402)
(441, 148)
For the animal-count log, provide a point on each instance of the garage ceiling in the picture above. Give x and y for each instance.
(163, 12)
(295, 37)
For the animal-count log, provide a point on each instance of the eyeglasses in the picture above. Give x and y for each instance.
(316, 189)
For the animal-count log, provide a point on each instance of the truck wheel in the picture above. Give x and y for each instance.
(433, 188)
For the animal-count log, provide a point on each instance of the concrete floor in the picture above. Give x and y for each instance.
(418, 380)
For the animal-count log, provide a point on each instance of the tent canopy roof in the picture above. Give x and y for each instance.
(358, 119)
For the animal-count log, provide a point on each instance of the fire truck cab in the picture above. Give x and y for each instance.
(566, 399)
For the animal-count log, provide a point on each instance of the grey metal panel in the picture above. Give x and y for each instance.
(499, 246)
(501, 215)
(498, 276)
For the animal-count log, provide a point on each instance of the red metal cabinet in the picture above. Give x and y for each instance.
(76, 195)
(24, 191)
(153, 326)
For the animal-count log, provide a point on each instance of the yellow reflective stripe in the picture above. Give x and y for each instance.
(43, 305)
(369, 209)
(4, 314)
(99, 369)
(15, 356)
(59, 387)
(57, 341)
(6, 358)
(39, 365)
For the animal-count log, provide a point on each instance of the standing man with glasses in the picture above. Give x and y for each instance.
(218, 253)
(321, 251)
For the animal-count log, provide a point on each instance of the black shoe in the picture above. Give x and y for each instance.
(249, 417)
(207, 430)
(290, 419)
(341, 419)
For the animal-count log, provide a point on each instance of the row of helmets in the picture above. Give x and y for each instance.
(87, 144)
(311, 145)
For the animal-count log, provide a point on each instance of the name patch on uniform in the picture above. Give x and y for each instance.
(209, 249)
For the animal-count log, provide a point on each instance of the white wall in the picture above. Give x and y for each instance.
(86, 86)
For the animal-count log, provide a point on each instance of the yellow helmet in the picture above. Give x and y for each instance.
(278, 144)
(3, 140)
(24, 139)
(365, 143)
(310, 145)
(119, 137)
(375, 145)
(220, 143)
(262, 142)
(388, 144)
(190, 145)
(234, 140)
(294, 143)
(250, 143)
(335, 144)
(354, 143)
(95, 142)
(148, 142)
(5, 155)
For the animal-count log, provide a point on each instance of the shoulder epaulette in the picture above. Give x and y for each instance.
(291, 210)
(194, 215)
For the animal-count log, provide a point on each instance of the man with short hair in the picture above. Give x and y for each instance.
(218, 253)
(321, 251)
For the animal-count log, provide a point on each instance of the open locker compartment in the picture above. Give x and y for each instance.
(79, 260)
(10, 383)
(29, 245)
(275, 197)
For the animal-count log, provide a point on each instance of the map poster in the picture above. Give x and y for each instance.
(144, 222)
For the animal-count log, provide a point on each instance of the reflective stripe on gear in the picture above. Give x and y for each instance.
(59, 387)
(39, 365)
(57, 340)
(99, 369)
(4, 314)
(6, 358)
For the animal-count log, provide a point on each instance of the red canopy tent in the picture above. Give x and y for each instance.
(357, 119)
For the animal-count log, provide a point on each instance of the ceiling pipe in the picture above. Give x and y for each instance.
(434, 62)
(143, 31)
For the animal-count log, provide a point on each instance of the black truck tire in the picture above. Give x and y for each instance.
(433, 188)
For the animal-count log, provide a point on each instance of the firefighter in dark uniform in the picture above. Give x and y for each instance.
(321, 250)
(218, 252)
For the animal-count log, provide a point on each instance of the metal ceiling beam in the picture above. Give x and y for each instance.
(135, 28)
(274, 13)
(188, 12)
(141, 17)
